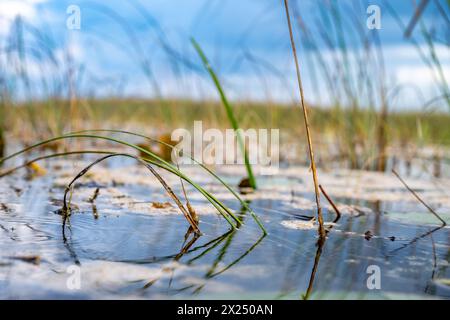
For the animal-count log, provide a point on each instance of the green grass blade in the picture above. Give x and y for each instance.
(229, 111)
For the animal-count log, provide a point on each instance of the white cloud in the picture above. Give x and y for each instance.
(419, 75)
(9, 9)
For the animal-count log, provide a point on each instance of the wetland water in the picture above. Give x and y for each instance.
(127, 247)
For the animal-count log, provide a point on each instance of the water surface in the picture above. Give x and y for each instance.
(132, 250)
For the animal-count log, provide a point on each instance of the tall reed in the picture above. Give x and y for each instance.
(305, 116)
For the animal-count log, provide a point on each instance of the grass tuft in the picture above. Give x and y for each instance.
(152, 159)
(66, 207)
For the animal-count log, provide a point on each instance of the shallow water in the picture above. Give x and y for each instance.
(125, 248)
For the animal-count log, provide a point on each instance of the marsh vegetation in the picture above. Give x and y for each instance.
(89, 179)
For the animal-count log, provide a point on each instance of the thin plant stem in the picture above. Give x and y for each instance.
(338, 213)
(418, 198)
(305, 116)
(419, 10)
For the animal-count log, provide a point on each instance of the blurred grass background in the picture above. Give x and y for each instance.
(361, 125)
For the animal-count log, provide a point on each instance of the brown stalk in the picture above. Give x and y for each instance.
(418, 198)
(192, 213)
(305, 116)
(338, 213)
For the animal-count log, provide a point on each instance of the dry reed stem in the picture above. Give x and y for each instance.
(305, 116)
(338, 213)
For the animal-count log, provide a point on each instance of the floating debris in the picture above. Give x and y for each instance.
(35, 170)
(368, 235)
(161, 205)
(5, 208)
(36, 260)
(299, 224)
(245, 186)
(18, 191)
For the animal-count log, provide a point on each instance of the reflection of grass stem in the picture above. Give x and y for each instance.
(414, 240)
(320, 245)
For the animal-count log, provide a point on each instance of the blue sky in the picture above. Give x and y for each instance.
(246, 41)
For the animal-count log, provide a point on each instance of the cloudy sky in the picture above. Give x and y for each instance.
(142, 48)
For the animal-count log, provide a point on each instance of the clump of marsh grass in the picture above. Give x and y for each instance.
(187, 213)
(150, 160)
(305, 117)
(230, 112)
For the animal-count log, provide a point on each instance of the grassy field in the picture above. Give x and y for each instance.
(52, 117)
(330, 126)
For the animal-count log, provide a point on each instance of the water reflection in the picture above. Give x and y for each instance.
(320, 244)
(415, 239)
(222, 263)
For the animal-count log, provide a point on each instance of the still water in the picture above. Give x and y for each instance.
(121, 246)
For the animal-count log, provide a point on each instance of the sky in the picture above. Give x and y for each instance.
(142, 48)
